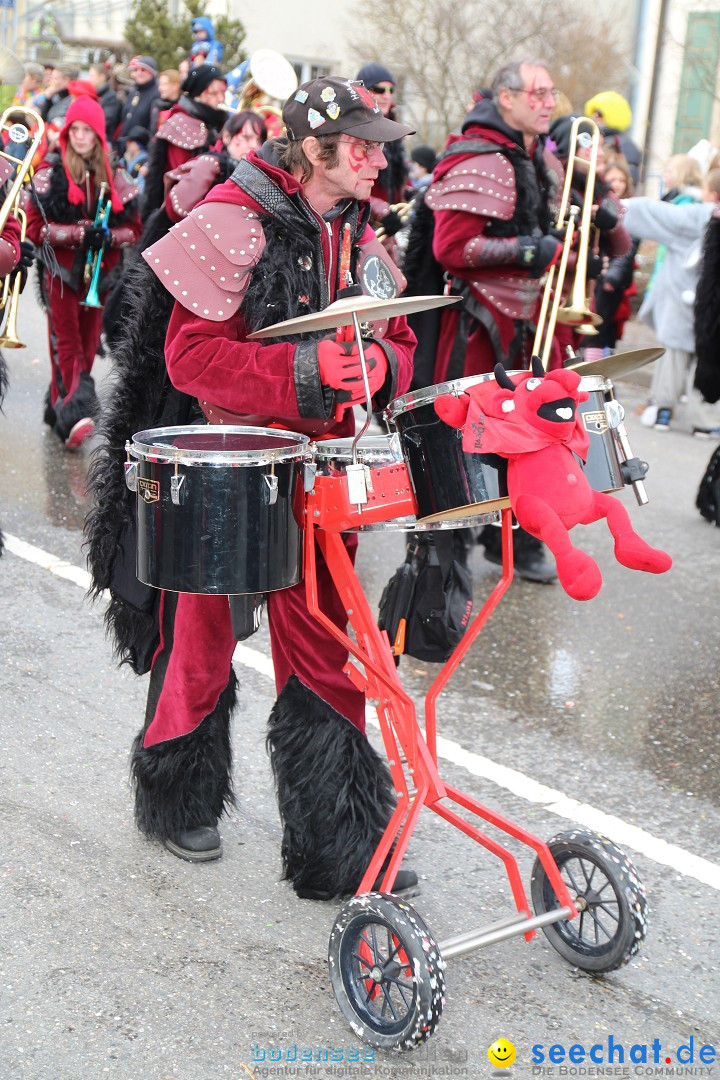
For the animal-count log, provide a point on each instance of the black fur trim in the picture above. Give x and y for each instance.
(707, 316)
(140, 396)
(186, 782)
(335, 793)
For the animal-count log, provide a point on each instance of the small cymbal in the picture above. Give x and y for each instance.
(614, 367)
(340, 313)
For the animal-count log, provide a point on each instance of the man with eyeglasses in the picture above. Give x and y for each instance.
(389, 188)
(493, 196)
(274, 242)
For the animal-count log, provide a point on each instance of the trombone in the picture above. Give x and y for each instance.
(18, 132)
(93, 259)
(577, 311)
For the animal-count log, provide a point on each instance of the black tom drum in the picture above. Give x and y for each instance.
(219, 509)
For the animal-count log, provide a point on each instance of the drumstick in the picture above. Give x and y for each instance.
(345, 279)
(344, 334)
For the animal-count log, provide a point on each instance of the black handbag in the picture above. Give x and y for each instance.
(431, 593)
(708, 496)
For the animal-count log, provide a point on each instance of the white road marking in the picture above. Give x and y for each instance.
(520, 785)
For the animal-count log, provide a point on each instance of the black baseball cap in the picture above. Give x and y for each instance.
(330, 105)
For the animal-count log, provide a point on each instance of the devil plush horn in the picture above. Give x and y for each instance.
(537, 367)
(502, 378)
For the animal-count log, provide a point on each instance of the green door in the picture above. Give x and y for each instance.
(698, 81)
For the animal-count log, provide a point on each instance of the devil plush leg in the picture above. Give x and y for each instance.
(578, 572)
(630, 549)
(183, 784)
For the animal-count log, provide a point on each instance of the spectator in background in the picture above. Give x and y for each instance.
(99, 76)
(192, 127)
(136, 113)
(202, 31)
(668, 305)
(184, 68)
(169, 82)
(30, 91)
(121, 81)
(199, 53)
(136, 155)
(57, 93)
(420, 168)
(613, 115)
(617, 284)
(389, 188)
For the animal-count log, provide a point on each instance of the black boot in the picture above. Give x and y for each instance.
(75, 416)
(334, 792)
(48, 411)
(183, 786)
(529, 554)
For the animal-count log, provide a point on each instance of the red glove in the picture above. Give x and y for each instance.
(339, 367)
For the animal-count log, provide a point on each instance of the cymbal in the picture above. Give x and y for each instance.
(614, 367)
(340, 313)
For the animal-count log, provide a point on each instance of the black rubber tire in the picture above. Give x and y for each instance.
(400, 1007)
(608, 933)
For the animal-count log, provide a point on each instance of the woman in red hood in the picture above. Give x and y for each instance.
(61, 223)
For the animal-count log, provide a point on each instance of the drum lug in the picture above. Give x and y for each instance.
(271, 491)
(178, 490)
(309, 474)
(130, 474)
(615, 414)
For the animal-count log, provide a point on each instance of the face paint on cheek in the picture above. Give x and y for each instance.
(356, 159)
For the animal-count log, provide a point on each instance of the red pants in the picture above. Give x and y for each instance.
(200, 645)
(74, 335)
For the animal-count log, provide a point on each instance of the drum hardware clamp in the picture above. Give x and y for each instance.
(632, 469)
(130, 468)
(271, 488)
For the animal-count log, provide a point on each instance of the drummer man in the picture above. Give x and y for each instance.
(274, 243)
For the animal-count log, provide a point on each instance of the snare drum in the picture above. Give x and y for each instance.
(448, 483)
(332, 456)
(219, 509)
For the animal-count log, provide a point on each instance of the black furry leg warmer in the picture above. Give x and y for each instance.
(335, 793)
(186, 782)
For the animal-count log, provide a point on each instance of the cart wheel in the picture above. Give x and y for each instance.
(612, 922)
(386, 971)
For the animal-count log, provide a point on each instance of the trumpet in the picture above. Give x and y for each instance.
(93, 259)
(18, 132)
(577, 312)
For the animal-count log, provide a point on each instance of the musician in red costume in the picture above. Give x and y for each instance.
(67, 185)
(493, 195)
(265, 246)
(191, 128)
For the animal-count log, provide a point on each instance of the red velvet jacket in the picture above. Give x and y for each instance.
(210, 359)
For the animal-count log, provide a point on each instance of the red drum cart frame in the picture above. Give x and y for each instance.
(386, 968)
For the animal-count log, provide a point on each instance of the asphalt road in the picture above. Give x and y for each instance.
(120, 960)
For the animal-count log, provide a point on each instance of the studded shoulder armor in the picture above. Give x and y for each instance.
(187, 132)
(483, 184)
(205, 261)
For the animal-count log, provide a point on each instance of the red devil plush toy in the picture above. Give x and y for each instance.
(534, 423)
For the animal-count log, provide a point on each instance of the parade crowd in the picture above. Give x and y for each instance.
(168, 222)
